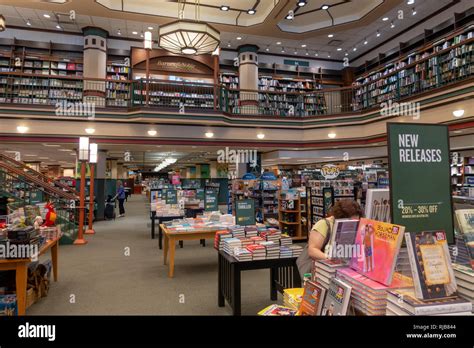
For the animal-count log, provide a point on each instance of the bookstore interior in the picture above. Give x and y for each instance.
(162, 147)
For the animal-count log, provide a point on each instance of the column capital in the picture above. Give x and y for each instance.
(248, 48)
(95, 31)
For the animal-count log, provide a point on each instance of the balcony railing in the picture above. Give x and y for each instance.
(69, 95)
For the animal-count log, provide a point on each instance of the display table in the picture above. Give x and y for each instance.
(170, 242)
(21, 268)
(160, 219)
(283, 275)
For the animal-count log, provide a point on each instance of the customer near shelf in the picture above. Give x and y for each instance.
(320, 234)
(121, 198)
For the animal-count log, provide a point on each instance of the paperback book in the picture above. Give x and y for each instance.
(337, 299)
(378, 205)
(430, 262)
(342, 239)
(313, 297)
(378, 244)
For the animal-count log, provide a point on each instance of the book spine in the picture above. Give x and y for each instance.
(443, 309)
(414, 268)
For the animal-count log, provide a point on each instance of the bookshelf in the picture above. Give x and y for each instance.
(118, 72)
(444, 61)
(265, 194)
(462, 172)
(322, 194)
(289, 214)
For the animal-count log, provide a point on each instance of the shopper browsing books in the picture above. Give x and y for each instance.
(121, 198)
(320, 234)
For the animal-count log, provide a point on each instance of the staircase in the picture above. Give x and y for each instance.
(24, 186)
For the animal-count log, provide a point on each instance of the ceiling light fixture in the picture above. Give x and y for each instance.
(458, 113)
(296, 52)
(303, 45)
(290, 16)
(302, 3)
(378, 33)
(228, 44)
(339, 49)
(267, 49)
(346, 54)
(325, 7)
(134, 32)
(58, 26)
(332, 135)
(28, 23)
(119, 32)
(152, 132)
(141, 34)
(90, 130)
(330, 35)
(22, 129)
(251, 11)
(316, 54)
(150, 28)
(238, 38)
(225, 8)
(260, 135)
(413, 11)
(283, 50)
(385, 19)
(366, 42)
(392, 25)
(354, 49)
(209, 135)
(410, 2)
(329, 56)
(278, 43)
(46, 15)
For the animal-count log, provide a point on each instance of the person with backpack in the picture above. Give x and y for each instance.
(320, 234)
(121, 198)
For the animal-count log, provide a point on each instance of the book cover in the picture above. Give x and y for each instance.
(342, 239)
(465, 220)
(377, 244)
(378, 205)
(430, 262)
(313, 297)
(337, 299)
(277, 310)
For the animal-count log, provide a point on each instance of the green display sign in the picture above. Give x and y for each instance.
(171, 197)
(245, 212)
(200, 194)
(420, 190)
(210, 201)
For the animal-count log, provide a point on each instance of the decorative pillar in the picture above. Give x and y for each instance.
(101, 177)
(248, 79)
(95, 65)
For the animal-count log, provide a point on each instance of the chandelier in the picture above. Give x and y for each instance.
(189, 36)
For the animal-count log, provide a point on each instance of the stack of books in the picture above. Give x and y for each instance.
(404, 302)
(286, 240)
(292, 298)
(242, 254)
(237, 231)
(230, 244)
(258, 251)
(367, 295)
(251, 231)
(325, 270)
(296, 250)
(245, 242)
(219, 239)
(461, 256)
(273, 235)
(272, 250)
(285, 252)
(465, 281)
(257, 239)
(403, 263)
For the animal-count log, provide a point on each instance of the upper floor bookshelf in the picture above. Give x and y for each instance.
(118, 72)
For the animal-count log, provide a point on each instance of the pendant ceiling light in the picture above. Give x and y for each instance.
(189, 36)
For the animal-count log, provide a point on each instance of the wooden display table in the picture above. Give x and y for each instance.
(172, 237)
(283, 275)
(21, 268)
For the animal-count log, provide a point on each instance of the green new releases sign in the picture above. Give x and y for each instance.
(210, 201)
(171, 197)
(245, 212)
(420, 190)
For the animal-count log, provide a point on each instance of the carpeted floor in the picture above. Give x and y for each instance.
(100, 279)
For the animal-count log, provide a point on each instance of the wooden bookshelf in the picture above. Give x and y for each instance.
(289, 215)
(265, 194)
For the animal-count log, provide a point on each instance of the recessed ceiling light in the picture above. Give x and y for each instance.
(141, 34)
(303, 45)
(329, 56)
(290, 16)
(332, 135)
(58, 26)
(316, 54)
(239, 38)
(278, 43)
(46, 15)
(30, 155)
(458, 113)
(392, 25)
(65, 150)
(28, 23)
(301, 3)
(90, 130)
(22, 129)
(260, 135)
(150, 28)
(456, 132)
(307, 53)
(225, 8)
(228, 44)
(251, 11)
(119, 32)
(324, 7)
(378, 33)
(267, 49)
(283, 50)
(354, 49)
(410, 2)
(331, 35)
(152, 132)
(134, 32)
(346, 54)
(385, 19)
(296, 52)
(339, 49)
(413, 11)
(51, 145)
(209, 135)
(366, 42)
